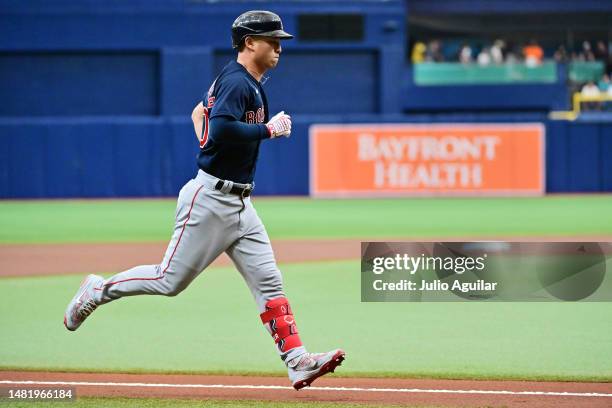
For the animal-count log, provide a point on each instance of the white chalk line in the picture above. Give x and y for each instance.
(281, 387)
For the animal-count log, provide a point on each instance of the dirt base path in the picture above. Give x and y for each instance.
(413, 392)
(61, 259)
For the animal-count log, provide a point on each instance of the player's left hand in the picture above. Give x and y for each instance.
(279, 125)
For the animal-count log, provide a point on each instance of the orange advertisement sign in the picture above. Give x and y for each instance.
(430, 159)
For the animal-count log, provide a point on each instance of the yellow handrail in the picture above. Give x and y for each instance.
(577, 100)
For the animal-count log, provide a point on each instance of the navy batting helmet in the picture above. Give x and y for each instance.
(257, 22)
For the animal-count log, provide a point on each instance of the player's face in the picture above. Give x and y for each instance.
(267, 51)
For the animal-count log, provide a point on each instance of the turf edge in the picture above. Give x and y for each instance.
(343, 374)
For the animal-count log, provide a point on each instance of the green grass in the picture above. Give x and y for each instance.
(190, 403)
(214, 327)
(302, 218)
(205, 329)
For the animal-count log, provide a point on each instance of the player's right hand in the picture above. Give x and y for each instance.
(279, 125)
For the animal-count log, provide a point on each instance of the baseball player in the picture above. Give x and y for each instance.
(214, 212)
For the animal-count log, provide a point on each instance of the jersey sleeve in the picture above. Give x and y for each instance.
(226, 130)
(231, 100)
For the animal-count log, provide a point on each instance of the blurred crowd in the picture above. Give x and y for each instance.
(531, 54)
(502, 51)
(592, 90)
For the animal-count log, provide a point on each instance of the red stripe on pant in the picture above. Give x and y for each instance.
(171, 256)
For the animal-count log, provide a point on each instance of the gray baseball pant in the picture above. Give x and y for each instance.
(208, 223)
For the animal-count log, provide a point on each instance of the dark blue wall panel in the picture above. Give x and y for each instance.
(557, 156)
(538, 97)
(505, 6)
(320, 82)
(186, 74)
(283, 164)
(97, 95)
(182, 150)
(5, 160)
(137, 24)
(63, 160)
(578, 157)
(140, 157)
(79, 83)
(98, 160)
(584, 165)
(605, 156)
(133, 156)
(26, 148)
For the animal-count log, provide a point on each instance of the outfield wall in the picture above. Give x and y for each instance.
(157, 58)
(97, 95)
(144, 157)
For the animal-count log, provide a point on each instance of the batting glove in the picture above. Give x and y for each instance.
(279, 125)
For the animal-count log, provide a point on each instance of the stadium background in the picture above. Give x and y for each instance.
(97, 95)
(97, 98)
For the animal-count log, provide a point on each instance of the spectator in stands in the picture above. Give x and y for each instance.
(418, 52)
(484, 57)
(605, 88)
(576, 56)
(497, 52)
(601, 52)
(510, 53)
(590, 90)
(586, 54)
(533, 54)
(561, 54)
(434, 52)
(604, 84)
(609, 62)
(608, 104)
(465, 54)
(511, 58)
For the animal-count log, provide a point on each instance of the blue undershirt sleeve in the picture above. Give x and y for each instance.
(225, 129)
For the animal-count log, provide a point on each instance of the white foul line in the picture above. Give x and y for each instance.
(281, 387)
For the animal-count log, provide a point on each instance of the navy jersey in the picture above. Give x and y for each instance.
(235, 95)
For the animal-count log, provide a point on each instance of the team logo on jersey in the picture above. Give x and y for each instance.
(210, 101)
(204, 138)
(255, 117)
(210, 98)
